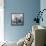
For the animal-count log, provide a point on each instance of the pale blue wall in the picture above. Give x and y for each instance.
(28, 7)
(43, 6)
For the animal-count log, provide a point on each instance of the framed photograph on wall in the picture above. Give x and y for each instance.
(17, 19)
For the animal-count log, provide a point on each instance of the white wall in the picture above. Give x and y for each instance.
(1, 20)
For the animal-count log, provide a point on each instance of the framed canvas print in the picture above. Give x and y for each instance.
(17, 19)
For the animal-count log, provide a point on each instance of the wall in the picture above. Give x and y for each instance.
(29, 8)
(1, 20)
(43, 6)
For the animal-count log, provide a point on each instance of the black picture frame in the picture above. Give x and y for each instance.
(17, 19)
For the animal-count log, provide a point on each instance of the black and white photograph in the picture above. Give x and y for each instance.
(17, 19)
